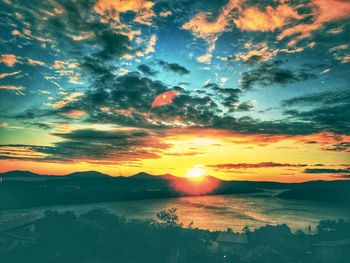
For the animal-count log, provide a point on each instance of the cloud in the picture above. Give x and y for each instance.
(147, 70)
(74, 96)
(174, 67)
(327, 118)
(206, 58)
(93, 146)
(259, 52)
(60, 21)
(329, 111)
(35, 62)
(231, 166)
(245, 106)
(164, 98)
(4, 75)
(18, 90)
(339, 147)
(165, 13)
(7, 126)
(21, 152)
(323, 11)
(203, 25)
(151, 44)
(112, 9)
(8, 59)
(341, 53)
(270, 73)
(58, 64)
(126, 100)
(256, 53)
(74, 114)
(269, 19)
(319, 98)
(326, 171)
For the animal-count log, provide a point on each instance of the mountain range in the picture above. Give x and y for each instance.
(20, 189)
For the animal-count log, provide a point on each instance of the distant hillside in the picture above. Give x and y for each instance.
(323, 191)
(88, 174)
(169, 177)
(142, 175)
(19, 174)
(21, 189)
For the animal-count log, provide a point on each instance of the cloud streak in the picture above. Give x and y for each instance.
(233, 166)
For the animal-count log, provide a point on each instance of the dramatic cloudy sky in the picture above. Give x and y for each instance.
(245, 89)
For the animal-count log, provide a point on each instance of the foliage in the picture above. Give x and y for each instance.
(100, 236)
(168, 217)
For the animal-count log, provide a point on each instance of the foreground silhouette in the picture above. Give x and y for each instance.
(100, 236)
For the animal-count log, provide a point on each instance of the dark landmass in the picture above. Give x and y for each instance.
(88, 174)
(324, 191)
(22, 189)
(98, 236)
(16, 174)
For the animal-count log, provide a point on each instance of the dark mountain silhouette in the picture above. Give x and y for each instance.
(21, 189)
(169, 177)
(325, 191)
(19, 174)
(88, 174)
(143, 175)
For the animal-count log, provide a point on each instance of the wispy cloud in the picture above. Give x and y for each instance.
(18, 90)
(231, 166)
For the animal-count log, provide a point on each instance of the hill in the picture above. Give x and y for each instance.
(323, 191)
(87, 174)
(19, 174)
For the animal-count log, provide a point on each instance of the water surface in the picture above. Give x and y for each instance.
(224, 211)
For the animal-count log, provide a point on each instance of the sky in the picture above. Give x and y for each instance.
(242, 89)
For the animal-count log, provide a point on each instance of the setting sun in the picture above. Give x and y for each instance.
(195, 172)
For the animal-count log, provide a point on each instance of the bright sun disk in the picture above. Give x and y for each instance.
(195, 172)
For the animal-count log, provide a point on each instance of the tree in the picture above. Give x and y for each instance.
(168, 217)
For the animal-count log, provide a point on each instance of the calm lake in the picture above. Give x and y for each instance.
(223, 211)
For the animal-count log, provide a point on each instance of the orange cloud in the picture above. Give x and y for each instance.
(150, 46)
(74, 114)
(69, 98)
(58, 64)
(20, 152)
(4, 75)
(113, 9)
(270, 19)
(165, 13)
(165, 98)
(83, 36)
(250, 19)
(323, 11)
(204, 26)
(230, 166)
(206, 58)
(35, 62)
(8, 59)
(262, 52)
(16, 89)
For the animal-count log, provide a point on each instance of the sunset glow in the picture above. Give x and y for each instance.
(250, 90)
(195, 172)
